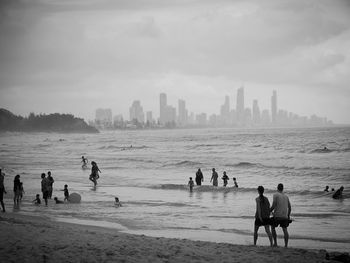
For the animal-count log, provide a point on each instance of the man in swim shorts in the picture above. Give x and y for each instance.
(281, 209)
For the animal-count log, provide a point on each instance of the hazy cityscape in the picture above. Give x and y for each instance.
(238, 114)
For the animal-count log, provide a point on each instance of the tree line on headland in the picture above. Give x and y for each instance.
(55, 122)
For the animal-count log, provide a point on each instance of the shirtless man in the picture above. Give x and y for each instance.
(281, 209)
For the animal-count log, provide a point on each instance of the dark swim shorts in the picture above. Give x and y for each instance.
(265, 222)
(282, 222)
(45, 194)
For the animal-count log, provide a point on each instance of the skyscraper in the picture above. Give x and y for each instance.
(240, 106)
(162, 108)
(136, 112)
(225, 111)
(256, 113)
(274, 107)
(183, 114)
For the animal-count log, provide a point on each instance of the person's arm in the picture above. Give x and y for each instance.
(273, 203)
(289, 209)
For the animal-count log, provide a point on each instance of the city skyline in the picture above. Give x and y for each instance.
(75, 56)
(237, 115)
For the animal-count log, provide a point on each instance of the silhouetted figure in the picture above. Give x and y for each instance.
(191, 184)
(16, 190)
(50, 182)
(117, 203)
(281, 214)
(45, 187)
(234, 181)
(66, 193)
(326, 189)
(199, 177)
(2, 191)
(84, 161)
(58, 201)
(225, 178)
(339, 193)
(21, 191)
(37, 200)
(214, 177)
(262, 215)
(94, 173)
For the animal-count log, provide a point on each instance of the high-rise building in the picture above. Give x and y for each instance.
(136, 112)
(103, 117)
(256, 113)
(274, 107)
(149, 117)
(162, 108)
(265, 118)
(183, 114)
(225, 111)
(240, 106)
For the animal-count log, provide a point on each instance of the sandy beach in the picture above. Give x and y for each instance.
(36, 239)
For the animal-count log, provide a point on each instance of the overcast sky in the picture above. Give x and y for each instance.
(73, 56)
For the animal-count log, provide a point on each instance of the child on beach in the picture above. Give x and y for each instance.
(37, 200)
(84, 161)
(66, 193)
(117, 202)
(191, 184)
(225, 178)
(16, 189)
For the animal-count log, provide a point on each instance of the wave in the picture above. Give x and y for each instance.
(123, 148)
(210, 188)
(326, 150)
(183, 164)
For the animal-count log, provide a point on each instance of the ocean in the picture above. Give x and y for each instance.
(149, 170)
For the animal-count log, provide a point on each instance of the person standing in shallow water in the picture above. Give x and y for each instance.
(94, 173)
(281, 214)
(2, 191)
(51, 181)
(214, 177)
(45, 187)
(199, 177)
(16, 190)
(262, 215)
(225, 178)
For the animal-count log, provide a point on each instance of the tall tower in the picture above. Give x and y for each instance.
(240, 106)
(162, 108)
(183, 115)
(256, 113)
(274, 107)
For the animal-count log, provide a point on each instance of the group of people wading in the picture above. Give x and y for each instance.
(214, 178)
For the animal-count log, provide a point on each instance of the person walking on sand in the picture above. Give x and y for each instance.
(214, 177)
(225, 178)
(16, 190)
(199, 177)
(94, 173)
(45, 187)
(191, 184)
(2, 191)
(281, 209)
(51, 181)
(262, 215)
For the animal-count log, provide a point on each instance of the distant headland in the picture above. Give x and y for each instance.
(56, 122)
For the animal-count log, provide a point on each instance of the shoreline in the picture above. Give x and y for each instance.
(27, 238)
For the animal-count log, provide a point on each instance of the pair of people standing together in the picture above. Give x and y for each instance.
(281, 209)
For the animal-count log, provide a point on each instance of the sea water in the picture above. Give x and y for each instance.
(149, 170)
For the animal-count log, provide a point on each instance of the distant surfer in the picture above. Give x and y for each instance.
(84, 161)
(225, 178)
(191, 184)
(214, 177)
(199, 177)
(94, 173)
(339, 193)
(326, 189)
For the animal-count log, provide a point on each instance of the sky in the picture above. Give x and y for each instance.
(74, 56)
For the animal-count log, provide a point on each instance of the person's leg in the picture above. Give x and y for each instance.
(274, 236)
(267, 229)
(286, 236)
(256, 228)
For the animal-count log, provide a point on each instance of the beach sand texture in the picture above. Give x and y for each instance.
(36, 239)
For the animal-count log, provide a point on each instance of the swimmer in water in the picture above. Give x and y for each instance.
(117, 202)
(84, 161)
(225, 178)
(58, 201)
(326, 189)
(94, 173)
(339, 193)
